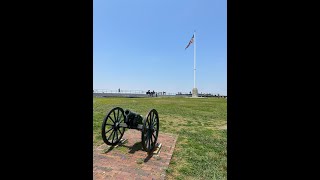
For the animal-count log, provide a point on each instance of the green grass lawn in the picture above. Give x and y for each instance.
(201, 148)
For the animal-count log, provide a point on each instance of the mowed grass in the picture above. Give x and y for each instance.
(201, 148)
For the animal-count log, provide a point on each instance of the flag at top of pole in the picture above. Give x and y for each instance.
(190, 42)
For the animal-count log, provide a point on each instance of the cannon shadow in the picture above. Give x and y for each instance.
(138, 147)
(109, 149)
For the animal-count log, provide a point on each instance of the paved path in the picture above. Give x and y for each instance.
(129, 161)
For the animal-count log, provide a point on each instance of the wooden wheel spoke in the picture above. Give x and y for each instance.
(111, 118)
(151, 140)
(147, 121)
(151, 120)
(109, 130)
(121, 117)
(114, 115)
(155, 122)
(113, 136)
(149, 143)
(120, 132)
(155, 117)
(154, 136)
(118, 116)
(146, 141)
(110, 135)
(117, 134)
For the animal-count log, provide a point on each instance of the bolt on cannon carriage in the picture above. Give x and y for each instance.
(114, 124)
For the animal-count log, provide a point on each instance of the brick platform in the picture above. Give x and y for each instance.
(129, 161)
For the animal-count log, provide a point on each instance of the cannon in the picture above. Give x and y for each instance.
(114, 124)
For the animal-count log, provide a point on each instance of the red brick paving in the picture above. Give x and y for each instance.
(131, 162)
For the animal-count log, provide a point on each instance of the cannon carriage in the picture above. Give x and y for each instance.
(115, 122)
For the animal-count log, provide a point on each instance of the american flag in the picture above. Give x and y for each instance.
(191, 41)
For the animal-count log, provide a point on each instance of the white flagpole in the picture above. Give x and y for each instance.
(194, 57)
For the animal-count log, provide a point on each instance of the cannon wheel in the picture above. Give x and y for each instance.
(111, 131)
(150, 130)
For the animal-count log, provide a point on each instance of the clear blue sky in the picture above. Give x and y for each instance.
(140, 45)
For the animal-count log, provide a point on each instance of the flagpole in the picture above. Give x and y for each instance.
(194, 63)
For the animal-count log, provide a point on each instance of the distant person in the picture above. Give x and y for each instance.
(119, 90)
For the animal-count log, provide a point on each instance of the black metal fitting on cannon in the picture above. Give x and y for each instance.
(132, 118)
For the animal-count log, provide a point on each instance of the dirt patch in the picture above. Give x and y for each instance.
(223, 127)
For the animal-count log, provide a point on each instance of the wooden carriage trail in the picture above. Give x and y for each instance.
(130, 161)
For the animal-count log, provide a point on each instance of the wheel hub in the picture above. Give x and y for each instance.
(151, 129)
(116, 125)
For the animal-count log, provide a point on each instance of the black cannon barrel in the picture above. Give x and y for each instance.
(132, 118)
(129, 113)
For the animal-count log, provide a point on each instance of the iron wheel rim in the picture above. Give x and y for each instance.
(111, 131)
(150, 130)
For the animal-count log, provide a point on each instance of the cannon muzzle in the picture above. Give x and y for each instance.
(129, 113)
(132, 118)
